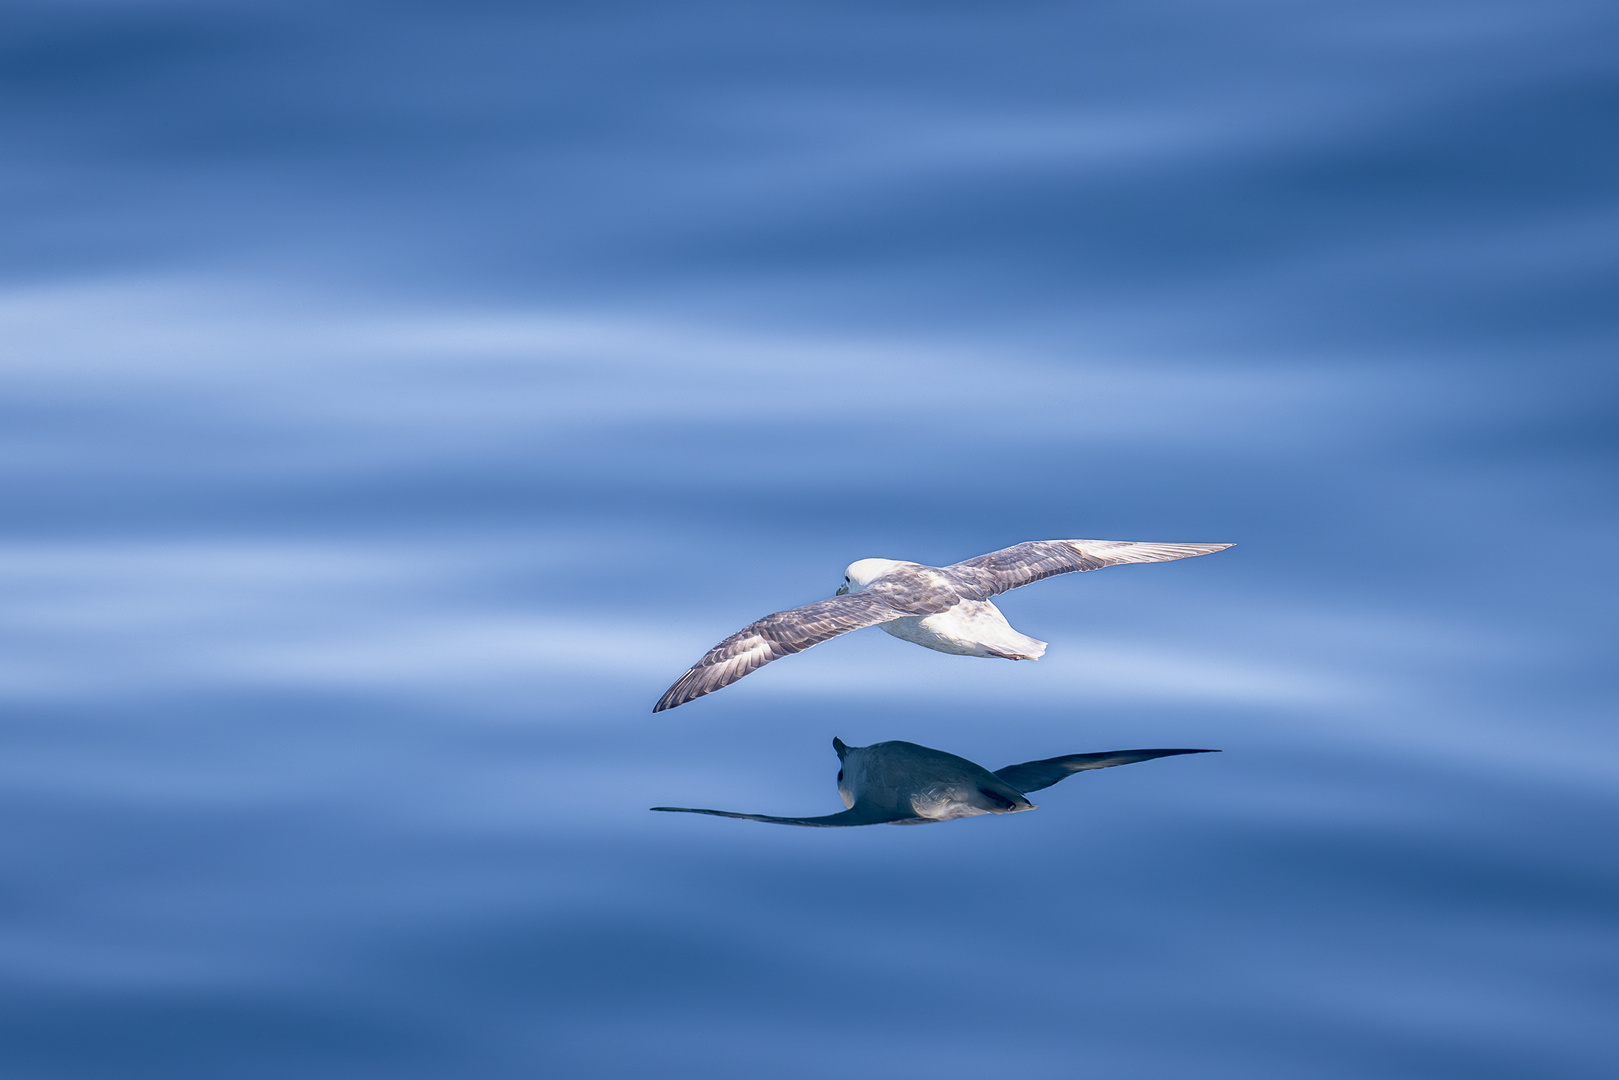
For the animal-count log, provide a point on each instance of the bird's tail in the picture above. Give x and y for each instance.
(1018, 647)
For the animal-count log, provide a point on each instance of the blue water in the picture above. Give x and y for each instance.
(396, 398)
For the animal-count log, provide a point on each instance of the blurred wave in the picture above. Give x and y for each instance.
(394, 399)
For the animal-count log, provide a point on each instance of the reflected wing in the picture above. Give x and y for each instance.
(1034, 775)
(859, 815)
(772, 638)
(1021, 564)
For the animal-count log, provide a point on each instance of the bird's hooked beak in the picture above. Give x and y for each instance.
(843, 590)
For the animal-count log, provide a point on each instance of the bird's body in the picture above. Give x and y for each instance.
(971, 628)
(902, 783)
(944, 608)
(919, 782)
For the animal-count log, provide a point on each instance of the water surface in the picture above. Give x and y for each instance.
(397, 398)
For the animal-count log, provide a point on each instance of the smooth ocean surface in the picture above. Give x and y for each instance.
(394, 399)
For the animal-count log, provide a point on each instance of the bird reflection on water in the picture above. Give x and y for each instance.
(901, 783)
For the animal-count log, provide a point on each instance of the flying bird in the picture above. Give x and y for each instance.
(901, 783)
(945, 608)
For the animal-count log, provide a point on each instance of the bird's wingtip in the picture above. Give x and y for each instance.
(673, 697)
(686, 688)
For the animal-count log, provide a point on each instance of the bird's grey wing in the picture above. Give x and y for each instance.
(1034, 775)
(859, 815)
(1020, 564)
(772, 638)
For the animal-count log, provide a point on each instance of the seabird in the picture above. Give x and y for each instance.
(945, 608)
(901, 783)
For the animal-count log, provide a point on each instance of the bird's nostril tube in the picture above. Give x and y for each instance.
(997, 798)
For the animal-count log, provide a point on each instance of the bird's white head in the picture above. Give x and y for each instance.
(863, 573)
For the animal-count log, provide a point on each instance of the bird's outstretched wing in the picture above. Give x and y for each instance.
(772, 638)
(1034, 775)
(859, 815)
(1020, 564)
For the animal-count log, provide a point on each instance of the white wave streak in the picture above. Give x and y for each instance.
(470, 377)
(104, 619)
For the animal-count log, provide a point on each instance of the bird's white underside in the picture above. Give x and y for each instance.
(971, 628)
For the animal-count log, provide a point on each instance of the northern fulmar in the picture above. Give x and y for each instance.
(945, 608)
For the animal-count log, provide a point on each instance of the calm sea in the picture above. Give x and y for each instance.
(395, 398)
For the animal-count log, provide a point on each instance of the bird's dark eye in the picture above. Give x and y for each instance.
(840, 776)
